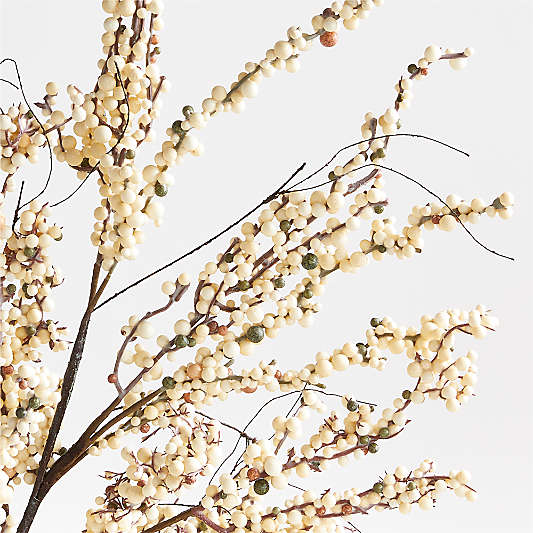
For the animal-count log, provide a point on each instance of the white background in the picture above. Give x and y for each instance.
(485, 109)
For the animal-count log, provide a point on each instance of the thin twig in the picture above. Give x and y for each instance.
(51, 159)
(374, 138)
(10, 83)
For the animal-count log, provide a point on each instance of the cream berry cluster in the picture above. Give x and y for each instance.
(346, 434)
(158, 476)
(272, 276)
(111, 122)
(29, 391)
(284, 55)
(29, 396)
(28, 277)
(20, 141)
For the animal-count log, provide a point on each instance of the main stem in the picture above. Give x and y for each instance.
(69, 378)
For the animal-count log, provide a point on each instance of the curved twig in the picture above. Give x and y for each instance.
(51, 159)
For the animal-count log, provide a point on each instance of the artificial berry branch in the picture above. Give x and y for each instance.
(271, 275)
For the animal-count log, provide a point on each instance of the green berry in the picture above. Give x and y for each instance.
(243, 285)
(20, 412)
(11, 289)
(285, 225)
(308, 293)
(406, 394)
(364, 440)
(276, 511)
(187, 111)
(497, 204)
(228, 257)
(378, 487)
(176, 127)
(62, 450)
(157, 50)
(160, 189)
(309, 261)
(261, 486)
(412, 68)
(34, 402)
(373, 447)
(279, 283)
(30, 252)
(169, 382)
(378, 209)
(191, 341)
(223, 495)
(130, 154)
(375, 322)
(58, 238)
(181, 341)
(384, 433)
(331, 176)
(31, 331)
(28, 114)
(361, 348)
(202, 526)
(352, 405)
(382, 248)
(255, 333)
(411, 486)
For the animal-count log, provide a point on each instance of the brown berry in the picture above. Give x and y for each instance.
(112, 378)
(321, 511)
(145, 428)
(435, 219)
(223, 330)
(277, 375)
(252, 474)
(7, 370)
(347, 509)
(213, 327)
(329, 39)
(154, 39)
(328, 12)
(249, 390)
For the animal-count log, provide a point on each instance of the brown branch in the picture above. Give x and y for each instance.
(69, 379)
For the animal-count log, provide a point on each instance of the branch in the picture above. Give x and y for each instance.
(69, 380)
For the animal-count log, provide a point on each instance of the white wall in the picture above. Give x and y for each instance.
(485, 109)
